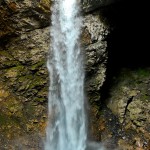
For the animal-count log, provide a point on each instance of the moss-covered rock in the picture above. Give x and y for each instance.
(95, 55)
(14, 72)
(19, 118)
(23, 64)
(21, 16)
(90, 5)
(7, 60)
(130, 101)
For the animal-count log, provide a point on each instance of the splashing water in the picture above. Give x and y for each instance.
(66, 129)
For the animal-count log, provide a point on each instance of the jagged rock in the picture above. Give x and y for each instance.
(22, 16)
(94, 45)
(130, 101)
(90, 5)
(23, 64)
(25, 41)
(16, 117)
(23, 53)
(95, 55)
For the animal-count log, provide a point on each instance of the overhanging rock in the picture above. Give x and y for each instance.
(90, 5)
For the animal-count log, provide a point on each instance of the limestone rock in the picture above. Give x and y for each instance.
(130, 101)
(95, 55)
(24, 48)
(15, 119)
(21, 16)
(23, 64)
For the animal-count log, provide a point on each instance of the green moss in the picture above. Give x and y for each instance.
(37, 81)
(25, 78)
(15, 71)
(40, 99)
(5, 54)
(94, 98)
(43, 92)
(143, 72)
(7, 120)
(145, 97)
(6, 60)
(3, 119)
(37, 65)
(10, 63)
(10, 127)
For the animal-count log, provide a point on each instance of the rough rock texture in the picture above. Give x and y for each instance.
(20, 121)
(24, 81)
(130, 101)
(96, 55)
(94, 45)
(19, 16)
(23, 64)
(90, 5)
(24, 45)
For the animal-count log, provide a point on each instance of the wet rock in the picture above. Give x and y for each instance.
(25, 43)
(95, 55)
(21, 16)
(129, 101)
(18, 120)
(27, 74)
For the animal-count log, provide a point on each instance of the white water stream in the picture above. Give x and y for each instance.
(66, 129)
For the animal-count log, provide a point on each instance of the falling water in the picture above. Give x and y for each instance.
(66, 129)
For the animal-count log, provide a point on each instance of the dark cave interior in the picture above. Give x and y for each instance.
(128, 42)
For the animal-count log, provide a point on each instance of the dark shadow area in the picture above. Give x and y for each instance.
(128, 42)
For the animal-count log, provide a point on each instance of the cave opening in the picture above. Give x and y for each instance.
(128, 49)
(128, 42)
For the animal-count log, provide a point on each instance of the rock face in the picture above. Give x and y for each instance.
(24, 47)
(90, 5)
(94, 45)
(130, 101)
(96, 55)
(22, 16)
(23, 64)
(25, 42)
(24, 78)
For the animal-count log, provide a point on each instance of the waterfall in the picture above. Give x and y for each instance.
(66, 129)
